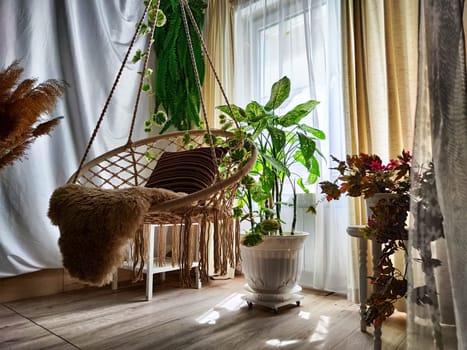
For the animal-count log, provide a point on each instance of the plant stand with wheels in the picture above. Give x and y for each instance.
(272, 269)
(273, 301)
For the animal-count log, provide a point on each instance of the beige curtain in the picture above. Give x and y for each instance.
(218, 36)
(219, 43)
(380, 72)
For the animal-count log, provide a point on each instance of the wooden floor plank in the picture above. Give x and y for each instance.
(17, 332)
(214, 317)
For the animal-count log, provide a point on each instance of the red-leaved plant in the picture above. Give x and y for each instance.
(365, 175)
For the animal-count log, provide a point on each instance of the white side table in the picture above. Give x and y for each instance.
(354, 231)
(159, 264)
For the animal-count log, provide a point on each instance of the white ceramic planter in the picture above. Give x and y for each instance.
(274, 266)
(373, 201)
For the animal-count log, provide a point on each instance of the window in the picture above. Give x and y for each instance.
(276, 38)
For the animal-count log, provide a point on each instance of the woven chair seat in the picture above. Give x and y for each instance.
(132, 165)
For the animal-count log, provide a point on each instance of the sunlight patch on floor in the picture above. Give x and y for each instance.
(281, 343)
(321, 330)
(304, 314)
(232, 303)
(209, 317)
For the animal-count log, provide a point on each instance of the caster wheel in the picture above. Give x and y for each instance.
(250, 305)
(298, 303)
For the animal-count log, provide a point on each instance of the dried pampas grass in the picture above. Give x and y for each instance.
(22, 105)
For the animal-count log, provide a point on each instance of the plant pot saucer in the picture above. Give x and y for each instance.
(273, 301)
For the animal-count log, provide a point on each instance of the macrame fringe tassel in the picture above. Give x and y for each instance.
(161, 245)
(176, 232)
(190, 243)
(139, 252)
(203, 263)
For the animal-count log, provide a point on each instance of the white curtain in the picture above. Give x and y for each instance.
(437, 297)
(82, 42)
(301, 39)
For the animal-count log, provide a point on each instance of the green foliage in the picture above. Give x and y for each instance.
(282, 141)
(176, 91)
(252, 239)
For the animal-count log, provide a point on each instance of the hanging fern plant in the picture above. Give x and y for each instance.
(176, 92)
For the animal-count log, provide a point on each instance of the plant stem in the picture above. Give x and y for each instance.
(250, 209)
(294, 199)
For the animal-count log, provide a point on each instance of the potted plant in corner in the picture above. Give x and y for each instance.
(271, 257)
(385, 187)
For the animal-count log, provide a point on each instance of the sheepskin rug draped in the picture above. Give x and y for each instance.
(95, 225)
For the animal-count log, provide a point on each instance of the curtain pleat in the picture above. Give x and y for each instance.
(218, 34)
(82, 42)
(379, 85)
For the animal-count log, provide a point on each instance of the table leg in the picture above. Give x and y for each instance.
(362, 276)
(376, 252)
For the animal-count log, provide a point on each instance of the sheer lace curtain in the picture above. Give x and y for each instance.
(301, 39)
(437, 298)
(82, 42)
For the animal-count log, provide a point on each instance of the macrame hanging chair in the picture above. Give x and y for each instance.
(107, 201)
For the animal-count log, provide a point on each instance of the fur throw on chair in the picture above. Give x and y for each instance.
(95, 225)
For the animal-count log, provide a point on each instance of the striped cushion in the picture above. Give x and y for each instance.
(185, 171)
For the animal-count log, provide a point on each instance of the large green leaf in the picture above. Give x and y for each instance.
(238, 113)
(266, 180)
(254, 112)
(307, 148)
(298, 156)
(313, 170)
(319, 134)
(280, 91)
(278, 138)
(294, 116)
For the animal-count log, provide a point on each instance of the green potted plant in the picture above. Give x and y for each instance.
(283, 142)
(386, 190)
